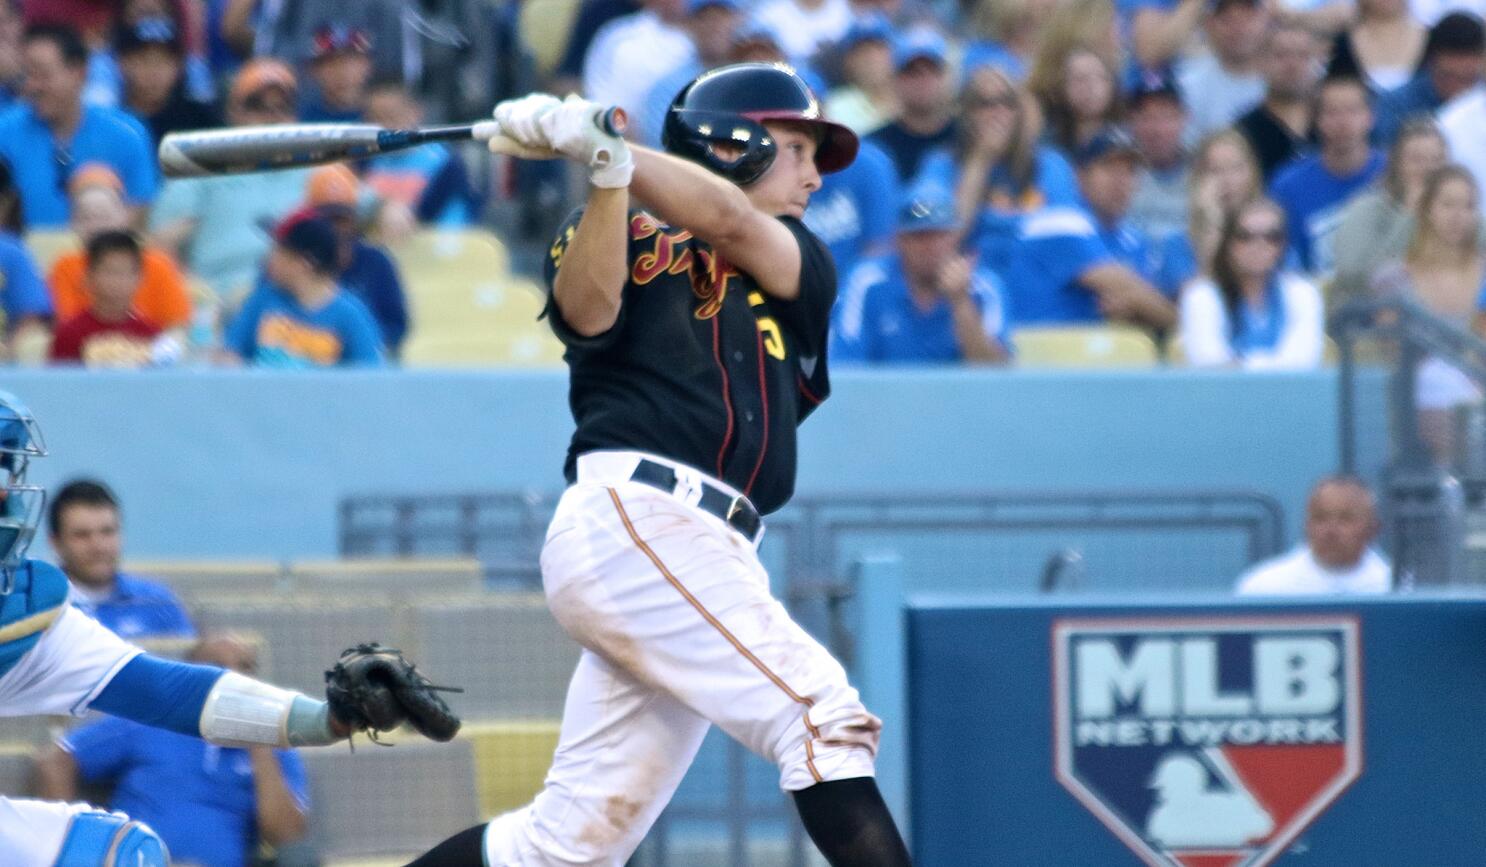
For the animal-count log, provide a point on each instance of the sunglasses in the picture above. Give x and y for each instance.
(1007, 100)
(262, 105)
(1273, 236)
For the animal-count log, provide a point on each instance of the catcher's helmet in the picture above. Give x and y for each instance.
(728, 106)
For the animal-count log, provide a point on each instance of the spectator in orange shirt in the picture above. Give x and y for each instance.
(97, 205)
(109, 333)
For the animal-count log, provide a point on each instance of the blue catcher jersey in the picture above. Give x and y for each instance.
(39, 597)
(99, 839)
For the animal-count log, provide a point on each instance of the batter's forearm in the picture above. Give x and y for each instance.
(589, 285)
(685, 195)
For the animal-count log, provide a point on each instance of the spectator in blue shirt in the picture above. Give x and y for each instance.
(926, 303)
(1076, 266)
(998, 169)
(52, 132)
(926, 118)
(23, 294)
(302, 318)
(854, 213)
(431, 181)
(1315, 189)
(211, 805)
(87, 534)
(1454, 62)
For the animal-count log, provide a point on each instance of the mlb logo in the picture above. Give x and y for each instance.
(1207, 742)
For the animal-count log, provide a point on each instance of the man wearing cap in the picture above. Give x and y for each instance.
(925, 303)
(151, 58)
(216, 225)
(1227, 77)
(365, 271)
(96, 199)
(340, 65)
(712, 26)
(1076, 266)
(52, 132)
(866, 98)
(1158, 122)
(926, 118)
(302, 318)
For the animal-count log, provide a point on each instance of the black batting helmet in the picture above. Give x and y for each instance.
(729, 105)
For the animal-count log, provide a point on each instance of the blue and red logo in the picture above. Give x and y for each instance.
(1207, 742)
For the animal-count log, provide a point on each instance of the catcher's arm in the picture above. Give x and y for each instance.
(227, 708)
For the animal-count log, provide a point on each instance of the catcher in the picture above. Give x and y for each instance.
(55, 660)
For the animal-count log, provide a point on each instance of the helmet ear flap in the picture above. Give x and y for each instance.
(697, 135)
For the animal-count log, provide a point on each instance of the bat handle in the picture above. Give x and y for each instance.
(613, 120)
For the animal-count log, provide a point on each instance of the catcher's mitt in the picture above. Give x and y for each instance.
(375, 689)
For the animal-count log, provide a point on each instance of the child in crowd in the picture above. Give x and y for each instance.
(109, 333)
(301, 317)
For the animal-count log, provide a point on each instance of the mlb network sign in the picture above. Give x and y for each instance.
(1207, 742)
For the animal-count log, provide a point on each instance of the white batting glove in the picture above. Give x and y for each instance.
(519, 119)
(575, 129)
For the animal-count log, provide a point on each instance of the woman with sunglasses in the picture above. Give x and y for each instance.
(1252, 313)
(998, 170)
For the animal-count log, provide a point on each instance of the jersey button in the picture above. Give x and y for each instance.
(748, 416)
(737, 355)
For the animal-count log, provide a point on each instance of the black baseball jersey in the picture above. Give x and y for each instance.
(701, 366)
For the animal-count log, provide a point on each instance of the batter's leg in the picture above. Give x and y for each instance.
(623, 750)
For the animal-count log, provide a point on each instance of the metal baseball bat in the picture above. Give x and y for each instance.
(242, 149)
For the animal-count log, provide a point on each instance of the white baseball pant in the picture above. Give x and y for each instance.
(679, 631)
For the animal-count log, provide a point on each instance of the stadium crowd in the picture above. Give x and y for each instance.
(1216, 173)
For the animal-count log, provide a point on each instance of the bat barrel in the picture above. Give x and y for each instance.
(237, 150)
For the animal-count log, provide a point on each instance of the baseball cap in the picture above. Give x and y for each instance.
(89, 175)
(1146, 83)
(332, 187)
(307, 234)
(872, 27)
(695, 6)
(260, 74)
(1110, 141)
(333, 39)
(927, 208)
(918, 45)
(149, 32)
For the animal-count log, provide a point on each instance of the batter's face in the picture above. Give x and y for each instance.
(785, 188)
(88, 541)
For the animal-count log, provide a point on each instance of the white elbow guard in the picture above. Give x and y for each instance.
(240, 711)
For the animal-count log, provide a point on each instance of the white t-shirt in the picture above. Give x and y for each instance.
(1429, 12)
(1297, 573)
(1463, 121)
(801, 31)
(629, 55)
(1215, 97)
(1203, 321)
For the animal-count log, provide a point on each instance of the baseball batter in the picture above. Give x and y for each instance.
(695, 332)
(56, 660)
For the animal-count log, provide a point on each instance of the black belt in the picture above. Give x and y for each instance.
(736, 512)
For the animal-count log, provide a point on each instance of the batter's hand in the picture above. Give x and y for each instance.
(520, 119)
(575, 128)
